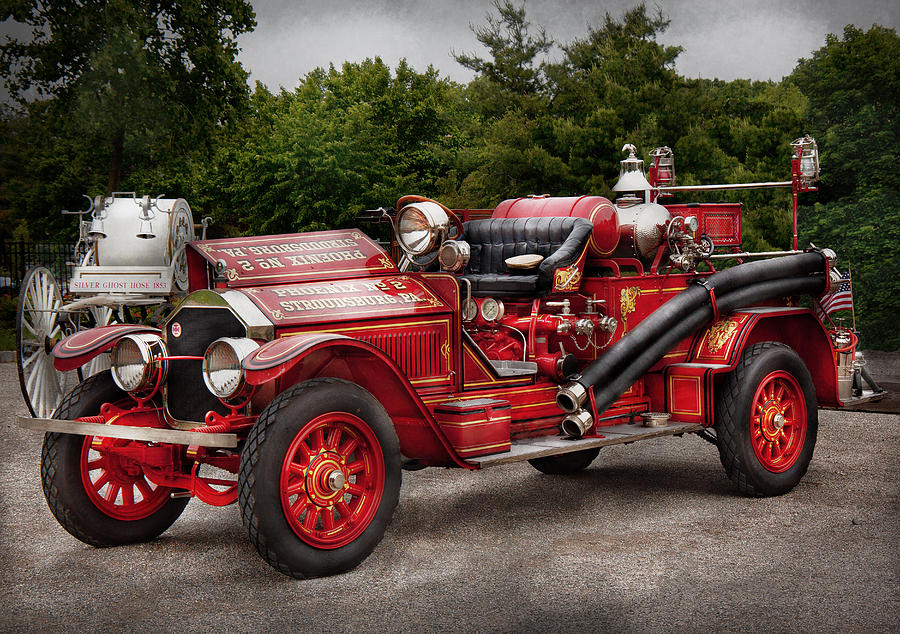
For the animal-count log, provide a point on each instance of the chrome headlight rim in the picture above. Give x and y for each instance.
(224, 376)
(150, 352)
(433, 225)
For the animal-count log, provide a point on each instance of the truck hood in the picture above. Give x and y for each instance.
(296, 257)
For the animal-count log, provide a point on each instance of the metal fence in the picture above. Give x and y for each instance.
(16, 257)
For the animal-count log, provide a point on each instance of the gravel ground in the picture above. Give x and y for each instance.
(650, 538)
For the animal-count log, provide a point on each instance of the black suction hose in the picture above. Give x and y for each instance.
(606, 394)
(683, 305)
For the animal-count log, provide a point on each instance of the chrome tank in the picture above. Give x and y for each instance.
(642, 228)
(172, 225)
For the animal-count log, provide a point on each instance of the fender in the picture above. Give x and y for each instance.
(722, 344)
(79, 348)
(296, 358)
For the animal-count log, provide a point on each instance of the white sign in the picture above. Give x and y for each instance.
(133, 285)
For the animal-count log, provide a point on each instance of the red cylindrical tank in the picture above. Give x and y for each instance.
(597, 209)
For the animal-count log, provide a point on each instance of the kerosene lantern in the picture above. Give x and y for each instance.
(805, 164)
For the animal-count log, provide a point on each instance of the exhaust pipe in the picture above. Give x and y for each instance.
(576, 424)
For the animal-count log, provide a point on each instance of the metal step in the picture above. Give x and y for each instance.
(529, 448)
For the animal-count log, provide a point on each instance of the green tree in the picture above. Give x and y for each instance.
(343, 141)
(853, 86)
(129, 82)
(513, 50)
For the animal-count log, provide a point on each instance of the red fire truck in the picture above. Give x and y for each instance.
(304, 372)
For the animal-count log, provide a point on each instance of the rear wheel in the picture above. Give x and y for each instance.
(101, 498)
(319, 478)
(565, 463)
(767, 420)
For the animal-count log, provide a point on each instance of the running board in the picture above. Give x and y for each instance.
(530, 448)
(867, 396)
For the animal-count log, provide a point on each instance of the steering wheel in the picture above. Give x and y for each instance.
(412, 198)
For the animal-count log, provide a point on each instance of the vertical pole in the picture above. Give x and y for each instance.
(852, 301)
(794, 201)
(795, 188)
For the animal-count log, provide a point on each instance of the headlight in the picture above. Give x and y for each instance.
(454, 255)
(421, 227)
(222, 371)
(136, 364)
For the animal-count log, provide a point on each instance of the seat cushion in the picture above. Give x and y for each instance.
(500, 284)
(559, 240)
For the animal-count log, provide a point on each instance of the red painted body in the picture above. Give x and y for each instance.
(337, 306)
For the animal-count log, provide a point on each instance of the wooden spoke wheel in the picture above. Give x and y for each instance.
(39, 326)
(319, 478)
(101, 496)
(767, 420)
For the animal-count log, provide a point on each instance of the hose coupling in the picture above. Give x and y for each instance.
(576, 424)
(571, 397)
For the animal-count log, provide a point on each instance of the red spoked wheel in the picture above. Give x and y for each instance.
(767, 420)
(778, 421)
(319, 478)
(117, 485)
(332, 480)
(100, 496)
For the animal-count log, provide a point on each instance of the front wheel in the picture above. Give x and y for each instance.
(767, 420)
(319, 478)
(101, 497)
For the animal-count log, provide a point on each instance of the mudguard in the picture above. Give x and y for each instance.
(79, 348)
(296, 358)
(717, 349)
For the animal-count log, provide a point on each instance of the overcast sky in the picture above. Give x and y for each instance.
(728, 39)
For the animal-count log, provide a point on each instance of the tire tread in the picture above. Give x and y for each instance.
(728, 415)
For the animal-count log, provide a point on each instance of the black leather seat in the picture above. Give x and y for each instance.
(561, 240)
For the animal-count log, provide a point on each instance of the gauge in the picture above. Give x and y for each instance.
(491, 309)
(469, 310)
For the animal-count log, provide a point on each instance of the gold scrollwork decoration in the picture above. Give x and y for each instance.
(719, 334)
(628, 301)
(567, 279)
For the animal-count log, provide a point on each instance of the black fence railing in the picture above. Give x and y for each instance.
(16, 257)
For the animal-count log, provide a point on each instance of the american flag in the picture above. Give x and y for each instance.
(841, 300)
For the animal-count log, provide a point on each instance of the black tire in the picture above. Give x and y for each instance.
(268, 458)
(64, 488)
(745, 439)
(565, 463)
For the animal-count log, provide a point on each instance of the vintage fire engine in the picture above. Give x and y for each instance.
(304, 372)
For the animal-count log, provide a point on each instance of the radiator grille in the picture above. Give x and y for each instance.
(417, 351)
(186, 395)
